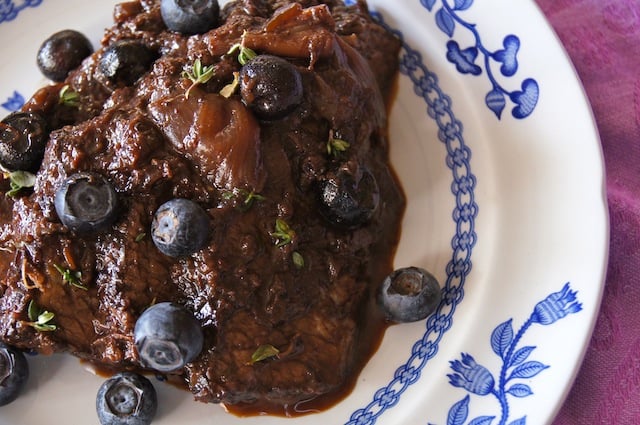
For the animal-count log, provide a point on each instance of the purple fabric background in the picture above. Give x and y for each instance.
(602, 38)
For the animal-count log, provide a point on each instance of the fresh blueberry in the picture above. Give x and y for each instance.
(14, 372)
(86, 203)
(271, 86)
(180, 227)
(409, 294)
(126, 399)
(349, 199)
(167, 336)
(190, 16)
(23, 138)
(126, 61)
(61, 53)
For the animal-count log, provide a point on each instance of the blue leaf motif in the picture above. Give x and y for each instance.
(520, 390)
(445, 22)
(521, 355)
(464, 60)
(501, 338)
(482, 420)
(462, 4)
(495, 100)
(525, 99)
(508, 56)
(521, 421)
(459, 412)
(428, 4)
(527, 370)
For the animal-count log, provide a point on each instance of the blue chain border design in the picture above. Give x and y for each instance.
(464, 214)
(9, 10)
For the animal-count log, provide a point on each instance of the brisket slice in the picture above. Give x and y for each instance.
(153, 144)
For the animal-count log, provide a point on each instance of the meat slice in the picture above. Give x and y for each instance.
(305, 300)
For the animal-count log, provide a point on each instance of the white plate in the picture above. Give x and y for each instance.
(506, 211)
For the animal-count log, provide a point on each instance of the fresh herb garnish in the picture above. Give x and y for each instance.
(198, 75)
(69, 97)
(19, 180)
(336, 145)
(72, 277)
(283, 234)
(228, 90)
(264, 352)
(248, 197)
(245, 54)
(140, 237)
(298, 260)
(40, 319)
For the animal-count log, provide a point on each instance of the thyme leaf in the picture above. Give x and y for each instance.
(335, 146)
(198, 75)
(283, 234)
(19, 180)
(40, 319)
(72, 277)
(248, 197)
(298, 260)
(264, 352)
(69, 97)
(245, 54)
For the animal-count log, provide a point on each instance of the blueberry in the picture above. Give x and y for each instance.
(61, 53)
(167, 336)
(126, 61)
(271, 86)
(349, 199)
(86, 203)
(23, 138)
(14, 372)
(180, 227)
(409, 294)
(190, 16)
(126, 399)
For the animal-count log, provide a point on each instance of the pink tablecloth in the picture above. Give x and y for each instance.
(602, 38)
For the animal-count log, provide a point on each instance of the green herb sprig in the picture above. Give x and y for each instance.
(264, 352)
(199, 74)
(69, 97)
(72, 277)
(335, 145)
(248, 198)
(19, 180)
(283, 234)
(40, 320)
(245, 54)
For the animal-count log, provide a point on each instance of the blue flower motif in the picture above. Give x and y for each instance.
(471, 376)
(448, 18)
(463, 59)
(516, 365)
(556, 306)
(14, 102)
